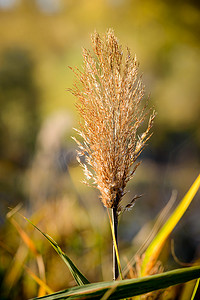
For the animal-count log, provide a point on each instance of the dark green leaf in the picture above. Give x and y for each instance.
(129, 287)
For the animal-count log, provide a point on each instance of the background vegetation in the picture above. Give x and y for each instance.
(39, 40)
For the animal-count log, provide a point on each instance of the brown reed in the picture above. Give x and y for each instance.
(110, 97)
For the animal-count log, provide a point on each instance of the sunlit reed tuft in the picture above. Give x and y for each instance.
(111, 104)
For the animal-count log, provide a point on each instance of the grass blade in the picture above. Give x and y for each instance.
(129, 287)
(115, 245)
(78, 276)
(30, 244)
(195, 289)
(156, 245)
(39, 281)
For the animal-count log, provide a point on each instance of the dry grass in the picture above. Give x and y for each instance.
(111, 104)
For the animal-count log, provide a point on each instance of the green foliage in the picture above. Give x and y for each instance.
(154, 249)
(133, 287)
(78, 276)
(128, 288)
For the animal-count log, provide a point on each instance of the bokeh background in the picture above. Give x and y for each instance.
(39, 39)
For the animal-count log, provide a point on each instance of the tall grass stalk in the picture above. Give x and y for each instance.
(115, 228)
(112, 108)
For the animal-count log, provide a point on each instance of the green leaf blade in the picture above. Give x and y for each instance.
(156, 245)
(78, 276)
(129, 287)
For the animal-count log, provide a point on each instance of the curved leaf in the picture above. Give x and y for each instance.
(78, 276)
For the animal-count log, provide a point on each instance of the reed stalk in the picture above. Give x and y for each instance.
(115, 228)
(111, 104)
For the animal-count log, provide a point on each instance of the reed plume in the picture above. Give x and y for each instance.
(110, 97)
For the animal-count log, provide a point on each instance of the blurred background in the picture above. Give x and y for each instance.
(39, 39)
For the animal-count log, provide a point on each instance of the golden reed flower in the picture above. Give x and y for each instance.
(110, 93)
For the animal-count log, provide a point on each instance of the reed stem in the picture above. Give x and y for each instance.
(115, 225)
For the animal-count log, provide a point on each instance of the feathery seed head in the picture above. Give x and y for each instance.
(110, 105)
